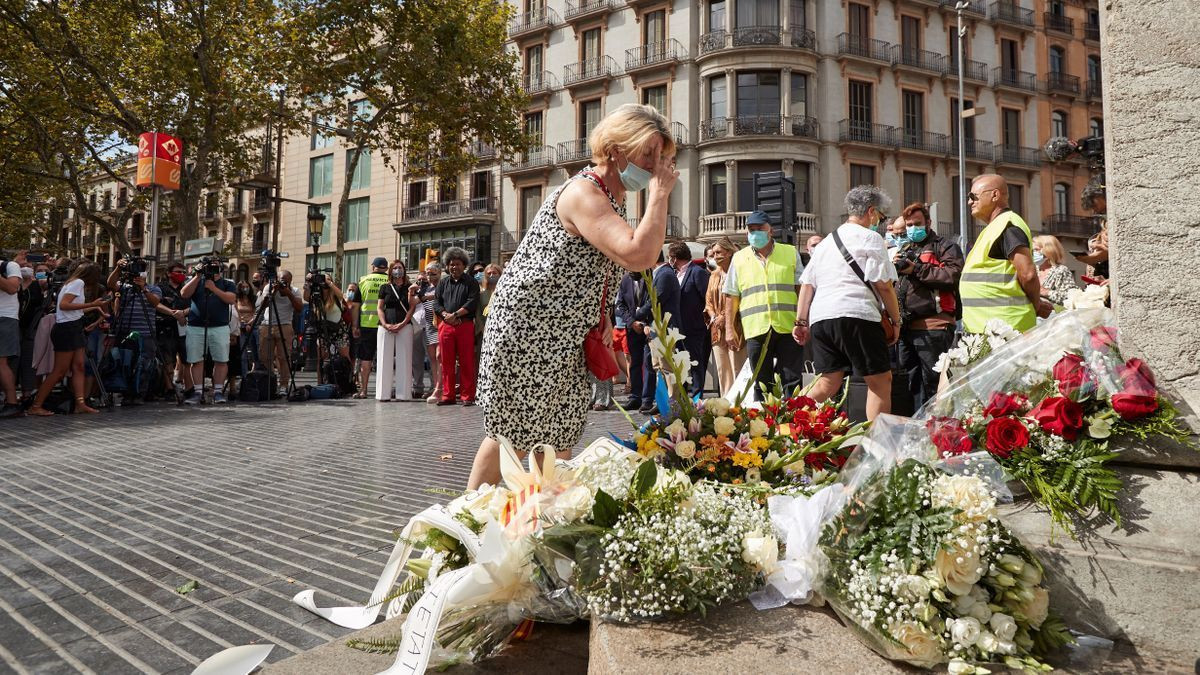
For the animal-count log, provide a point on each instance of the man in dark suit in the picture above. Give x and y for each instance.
(666, 288)
(693, 286)
(629, 298)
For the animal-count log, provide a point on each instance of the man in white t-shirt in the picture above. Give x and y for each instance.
(275, 333)
(838, 312)
(10, 330)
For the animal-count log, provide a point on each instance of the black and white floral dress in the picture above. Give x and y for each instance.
(533, 382)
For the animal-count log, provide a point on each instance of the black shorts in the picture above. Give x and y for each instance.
(846, 344)
(366, 344)
(67, 337)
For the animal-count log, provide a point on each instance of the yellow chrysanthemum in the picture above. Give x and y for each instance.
(760, 444)
(747, 459)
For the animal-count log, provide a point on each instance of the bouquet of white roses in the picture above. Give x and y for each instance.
(924, 571)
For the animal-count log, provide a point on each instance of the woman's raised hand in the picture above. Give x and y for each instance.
(665, 174)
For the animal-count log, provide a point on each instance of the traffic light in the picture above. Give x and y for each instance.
(775, 195)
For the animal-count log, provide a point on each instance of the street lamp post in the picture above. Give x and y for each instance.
(962, 140)
(316, 227)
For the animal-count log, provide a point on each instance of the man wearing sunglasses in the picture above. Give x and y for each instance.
(999, 279)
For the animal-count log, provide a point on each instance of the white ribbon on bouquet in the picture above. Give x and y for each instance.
(799, 520)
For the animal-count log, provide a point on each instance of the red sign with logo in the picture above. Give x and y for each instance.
(160, 157)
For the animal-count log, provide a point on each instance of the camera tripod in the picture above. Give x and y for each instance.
(120, 332)
(273, 327)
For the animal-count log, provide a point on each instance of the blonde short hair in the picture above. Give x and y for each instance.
(1051, 248)
(628, 129)
(727, 244)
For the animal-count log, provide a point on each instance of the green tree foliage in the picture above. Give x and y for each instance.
(435, 74)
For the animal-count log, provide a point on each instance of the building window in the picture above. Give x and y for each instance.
(533, 126)
(859, 23)
(862, 174)
(654, 27)
(1011, 127)
(321, 137)
(531, 201)
(861, 113)
(1062, 199)
(239, 201)
(914, 114)
(1016, 197)
(717, 196)
(358, 215)
(533, 66)
(448, 190)
(1058, 123)
(362, 110)
(799, 94)
(589, 117)
(1096, 127)
(757, 13)
(914, 187)
(481, 185)
(1093, 68)
(656, 97)
(327, 233)
(320, 176)
(1057, 8)
(361, 178)
(1058, 60)
(354, 266)
(910, 34)
(758, 93)
(1010, 57)
(716, 15)
(800, 176)
(717, 97)
(416, 193)
(590, 46)
(798, 14)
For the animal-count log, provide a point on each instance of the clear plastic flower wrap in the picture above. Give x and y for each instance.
(921, 568)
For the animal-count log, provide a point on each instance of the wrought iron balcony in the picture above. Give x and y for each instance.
(977, 7)
(1064, 223)
(1014, 79)
(864, 48)
(681, 135)
(1094, 89)
(921, 141)
(262, 200)
(975, 149)
(1091, 31)
(757, 36)
(715, 127)
(654, 55)
(852, 131)
(482, 150)
(533, 21)
(535, 159)
(577, 10)
(675, 228)
(574, 152)
(972, 69)
(458, 209)
(1061, 83)
(758, 125)
(1058, 23)
(804, 38)
(1012, 14)
(918, 59)
(713, 41)
(590, 70)
(802, 125)
(539, 83)
(1016, 155)
(135, 233)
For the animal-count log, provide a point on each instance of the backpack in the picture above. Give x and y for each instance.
(4, 268)
(339, 372)
(119, 368)
(258, 386)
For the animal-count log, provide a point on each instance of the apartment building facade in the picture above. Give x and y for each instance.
(834, 94)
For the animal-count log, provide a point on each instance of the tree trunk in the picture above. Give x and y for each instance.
(342, 216)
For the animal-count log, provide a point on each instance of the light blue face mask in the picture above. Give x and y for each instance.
(893, 240)
(758, 239)
(1038, 258)
(634, 177)
(917, 233)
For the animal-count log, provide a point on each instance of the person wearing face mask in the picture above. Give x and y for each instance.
(135, 305)
(896, 237)
(365, 321)
(397, 302)
(488, 278)
(32, 298)
(848, 292)
(534, 377)
(761, 284)
(693, 285)
(1056, 278)
(171, 330)
(999, 279)
(273, 341)
(716, 307)
(929, 268)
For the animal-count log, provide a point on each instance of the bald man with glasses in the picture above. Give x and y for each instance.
(999, 279)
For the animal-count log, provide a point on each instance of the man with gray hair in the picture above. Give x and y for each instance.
(454, 303)
(839, 309)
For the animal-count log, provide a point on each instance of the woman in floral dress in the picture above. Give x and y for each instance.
(533, 382)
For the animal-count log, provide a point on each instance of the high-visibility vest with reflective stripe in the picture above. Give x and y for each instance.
(989, 287)
(368, 288)
(768, 292)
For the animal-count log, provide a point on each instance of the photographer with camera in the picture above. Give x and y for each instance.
(929, 267)
(172, 331)
(134, 308)
(281, 300)
(208, 326)
(325, 308)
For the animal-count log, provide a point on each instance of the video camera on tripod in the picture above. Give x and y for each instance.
(135, 266)
(316, 280)
(270, 264)
(211, 266)
(1091, 149)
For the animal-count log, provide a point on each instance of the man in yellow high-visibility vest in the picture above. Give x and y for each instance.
(999, 279)
(761, 285)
